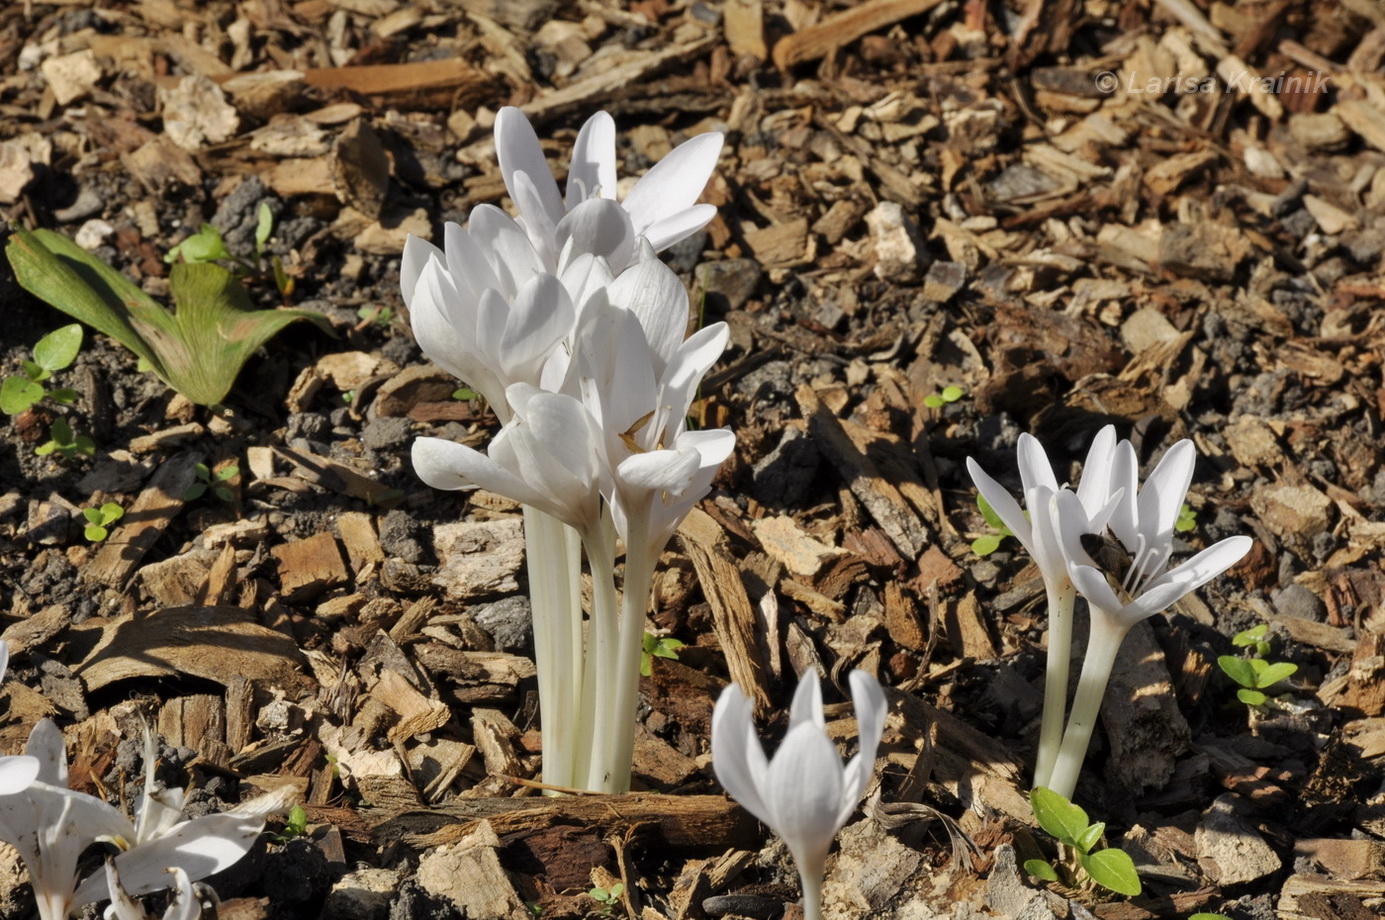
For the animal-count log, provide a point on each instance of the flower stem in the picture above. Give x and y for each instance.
(1060, 603)
(603, 641)
(552, 586)
(1102, 647)
(639, 578)
(812, 893)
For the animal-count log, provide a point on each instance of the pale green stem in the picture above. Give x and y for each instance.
(640, 559)
(603, 639)
(1060, 603)
(558, 661)
(1107, 634)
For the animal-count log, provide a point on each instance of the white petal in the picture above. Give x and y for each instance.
(1125, 477)
(16, 773)
(1161, 498)
(656, 296)
(1002, 503)
(1096, 589)
(675, 182)
(659, 470)
(689, 364)
(597, 227)
(1095, 487)
(734, 745)
(470, 271)
(871, 707)
(803, 792)
(1194, 573)
(47, 745)
(538, 226)
(540, 317)
(1035, 468)
(4, 658)
(806, 708)
(593, 168)
(679, 226)
(506, 248)
(448, 465)
(201, 847)
(1048, 547)
(518, 149)
(417, 252)
(185, 904)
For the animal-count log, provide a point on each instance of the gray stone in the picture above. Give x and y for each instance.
(733, 281)
(362, 895)
(509, 622)
(783, 476)
(386, 433)
(1298, 601)
(403, 536)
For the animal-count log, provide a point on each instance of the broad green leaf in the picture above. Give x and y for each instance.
(92, 514)
(1114, 869)
(1274, 673)
(264, 226)
(110, 512)
(951, 394)
(1040, 868)
(1238, 669)
(1251, 697)
(64, 395)
(1250, 636)
(985, 544)
(18, 394)
(96, 533)
(227, 473)
(59, 348)
(197, 350)
(933, 401)
(1091, 837)
(1057, 815)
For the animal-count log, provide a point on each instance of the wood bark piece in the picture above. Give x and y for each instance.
(198, 722)
(1141, 716)
(422, 82)
(842, 28)
(357, 531)
(340, 478)
(733, 616)
(881, 498)
(682, 822)
(144, 521)
(469, 875)
(220, 644)
(309, 567)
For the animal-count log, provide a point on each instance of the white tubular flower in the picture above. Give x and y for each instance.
(1144, 522)
(661, 207)
(803, 794)
(50, 825)
(16, 773)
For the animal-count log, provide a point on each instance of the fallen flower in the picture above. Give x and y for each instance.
(803, 794)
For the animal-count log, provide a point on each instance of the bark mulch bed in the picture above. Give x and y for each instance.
(1164, 215)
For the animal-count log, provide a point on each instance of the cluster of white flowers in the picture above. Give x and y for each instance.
(573, 330)
(51, 825)
(1142, 520)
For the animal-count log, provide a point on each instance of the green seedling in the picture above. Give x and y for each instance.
(988, 543)
(54, 351)
(1207, 916)
(607, 898)
(1186, 520)
(944, 396)
(100, 519)
(381, 315)
(296, 825)
(62, 441)
(1254, 638)
(198, 349)
(1081, 863)
(465, 394)
(1254, 675)
(213, 482)
(657, 647)
(207, 245)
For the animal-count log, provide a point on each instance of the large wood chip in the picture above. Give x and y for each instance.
(842, 28)
(221, 644)
(144, 521)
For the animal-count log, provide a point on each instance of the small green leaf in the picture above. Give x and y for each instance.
(933, 401)
(1186, 520)
(1250, 636)
(111, 512)
(227, 472)
(206, 245)
(465, 394)
(1207, 916)
(263, 227)
(1041, 868)
(1114, 869)
(92, 514)
(63, 395)
(951, 394)
(1057, 815)
(1273, 674)
(1091, 837)
(985, 544)
(1238, 669)
(95, 533)
(59, 348)
(33, 371)
(194, 491)
(85, 445)
(989, 514)
(18, 394)
(1251, 697)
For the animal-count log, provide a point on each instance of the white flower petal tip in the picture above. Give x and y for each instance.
(804, 793)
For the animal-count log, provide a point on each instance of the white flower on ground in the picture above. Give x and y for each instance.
(50, 825)
(803, 794)
(662, 207)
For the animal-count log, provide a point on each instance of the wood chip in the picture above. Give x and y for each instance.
(144, 521)
(309, 567)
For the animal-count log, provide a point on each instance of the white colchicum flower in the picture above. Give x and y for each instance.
(1038, 533)
(803, 794)
(1145, 527)
(185, 904)
(50, 825)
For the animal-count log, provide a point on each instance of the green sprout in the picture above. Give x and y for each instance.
(296, 825)
(657, 647)
(207, 245)
(607, 898)
(62, 441)
(949, 394)
(381, 315)
(1110, 868)
(100, 519)
(54, 351)
(988, 543)
(198, 348)
(1187, 519)
(1209, 916)
(216, 482)
(465, 394)
(1254, 675)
